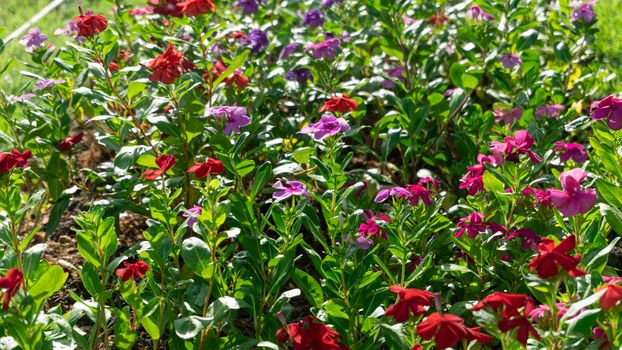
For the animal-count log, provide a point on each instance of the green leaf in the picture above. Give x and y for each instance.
(196, 254)
(237, 63)
(245, 167)
(309, 286)
(49, 283)
(469, 81)
(455, 74)
(128, 155)
(91, 280)
(262, 176)
(612, 215)
(134, 88)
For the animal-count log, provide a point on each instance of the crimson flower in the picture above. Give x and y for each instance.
(551, 256)
(10, 283)
(609, 107)
(169, 66)
(135, 270)
(573, 199)
(88, 25)
(511, 304)
(447, 330)
(166, 7)
(196, 7)
(164, 162)
(309, 334)
(512, 147)
(210, 167)
(15, 159)
(341, 104)
(613, 294)
(67, 143)
(576, 151)
(237, 78)
(410, 299)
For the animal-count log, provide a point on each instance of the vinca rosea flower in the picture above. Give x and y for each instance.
(329, 125)
(234, 117)
(167, 7)
(258, 40)
(572, 199)
(447, 330)
(510, 61)
(164, 163)
(552, 257)
(513, 147)
(325, 49)
(383, 195)
(310, 333)
(313, 18)
(288, 50)
(473, 224)
(192, 8)
(612, 296)
(87, 25)
(70, 30)
(583, 11)
(288, 189)
(410, 301)
(551, 111)
(438, 19)
(192, 214)
(301, 75)
(142, 11)
(248, 6)
(169, 66)
(211, 166)
(515, 311)
(576, 151)
(341, 104)
(370, 228)
(46, 84)
(67, 143)
(397, 73)
(14, 159)
(507, 115)
(473, 180)
(132, 270)
(10, 283)
(33, 40)
(478, 14)
(610, 108)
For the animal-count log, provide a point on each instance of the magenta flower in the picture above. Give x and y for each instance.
(396, 73)
(575, 151)
(583, 11)
(478, 14)
(510, 61)
(609, 107)
(328, 125)
(46, 84)
(473, 180)
(248, 6)
(142, 11)
(530, 239)
(192, 214)
(313, 19)
(33, 40)
(235, 117)
(371, 228)
(288, 189)
(551, 111)
(288, 50)
(325, 49)
(513, 147)
(383, 195)
(573, 199)
(542, 198)
(508, 116)
(419, 193)
(473, 224)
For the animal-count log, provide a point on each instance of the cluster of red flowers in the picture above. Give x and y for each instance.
(88, 25)
(67, 143)
(447, 330)
(409, 299)
(196, 7)
(169, 66)
(15, 159)
(166, 162)
(515, 309)
(309, 334)
(341, 104)
(553, 256)
(132, 270)
(10, 283)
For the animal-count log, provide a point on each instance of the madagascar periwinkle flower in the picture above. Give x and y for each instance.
(70, 30)
(288, 50)
(313, 19)
(47, 83)
(288, 189)
(552, 257)
(398, 191)
(612, 296)
(88, 24)
(33, 40)
(132, 270)
(258, 40)
(370, 228)
(193, 8)
(67, 143)
(551, 111)
(164, 163)
(576, 151)
(169, 66)
(572, 199)
(473, 224)
(513, 147)
(397, 73)
(325, 49)
(14, 159)
(301, 75)
(11, 283)
(211, 166)
(478, 14)
(142, 11)
(447, 330)
(609, 107)
(248, 6)
(192, 214)
(510, 61)
(234, 116)
(328, 125)
(507, 115)
(410, 301)
(473, 180)
(167, 7)
(583, 11)
(310, 333)
(329, 3)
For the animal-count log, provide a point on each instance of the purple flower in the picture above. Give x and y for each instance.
(383, 195)
(301, 75)
(575, 151)
(33, 40)
(583, 10)
(573, 199)
(510, 60)
(313, 19)
(473, 224)
(46, 84)
(476, 13)
(249, 6)
(235, 117)
(288, 50)
(395, 72)
(329, 3)
(552, 111)
(289, 188)
(24, 97)
(327, 126)
(70, 30)
(258, 40)
(326, 49)
(451, 91)
(609, 107)
(192, 214)
(507, 116)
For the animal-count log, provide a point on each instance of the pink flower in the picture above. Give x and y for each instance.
(328, 125)
(609, 107)
(507, 116)
(513, 147)
(583, 10)
(418, 192)
(473, 224)
(510, 61)
(371, 227)
(552, 111)
(473, 181)
(383, 195)
(573, 200)
(575, 151)
(288, 189)
(476, 13)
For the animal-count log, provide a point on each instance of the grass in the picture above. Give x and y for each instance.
(609, 38)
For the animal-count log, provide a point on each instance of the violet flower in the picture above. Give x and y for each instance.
(507, 116)
(396, 73)
(46, 84)
(33, 40)
(192, 215)
(325, 49)
(551, 111)
(583, 11)
(383, 195)
(575, 151)
(328, 125)
(301, 75)
(249, 6)
(258, 40)
(510, 61)
(478, 14)
(288, 50)
(288, 189)
(573, 199)
(70, 30)
(611, 108)
(235, 116)
(313, 19)
(329, 3)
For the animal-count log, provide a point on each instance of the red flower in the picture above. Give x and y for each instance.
(409, 299)
(522, 323)
(210, 167)
(67, 143)
(113, 66)
(437, 19)
(10, 283)
(135, 270)
(166, 7)
(310, 334)
(510, 302)
(169, 66)
(238, 79)
(551, 255)
(611, 297)
(90, 24)
(341, 104)
(447, 330)
(196, 7)
(164, 162)
(15, 159)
